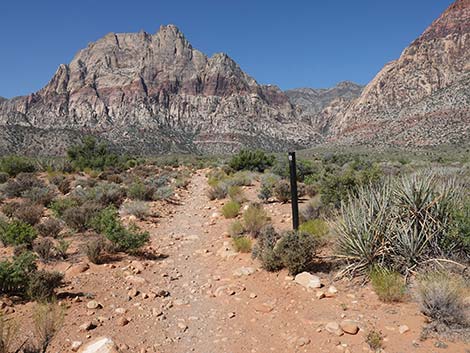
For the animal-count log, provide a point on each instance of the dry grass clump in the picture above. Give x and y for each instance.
(242, 244)
(231, 209)
(254, 219)
(139, 209)
(389, 285)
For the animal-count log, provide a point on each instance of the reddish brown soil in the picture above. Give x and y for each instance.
(209, 309)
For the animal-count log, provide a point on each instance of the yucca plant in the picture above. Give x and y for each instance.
(364, 228)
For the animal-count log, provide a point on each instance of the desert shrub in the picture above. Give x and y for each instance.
(336, 186)
(27, 213)
(251, 160)
(388, 285)
(48, 319)
(163, 193)
(39, 195)
(4, 177)
(182, 182)
(236, 229)
(264, 249)
(125, 239)
(375, 340)
(282, 191)
(242, 178)
(10, 208)
(13, 165)
(94, 250)
(62, 183)
(311, 190)
(304, 168)
(139, 191)
(242, 244)
(216, 176)
(296, 251)
(231, 209)
(93, 155)
(254, 219)
(217, 192)
(79, 218)
(315, 227)
(457, 242)
(18, 233)
(49, 227)
(268, 181)
(138, 209)
(107, 194)
(61, 248)
(15, 275)
(312, 210)
(8, 334)
(441, 297)
(42, 284)
(23, 182)
(43, 247)
(59, 206)
(236, 194)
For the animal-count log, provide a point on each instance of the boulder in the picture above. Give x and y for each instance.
(308, 280)
(99, 345)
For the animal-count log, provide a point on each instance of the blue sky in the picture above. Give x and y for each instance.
(296, 43)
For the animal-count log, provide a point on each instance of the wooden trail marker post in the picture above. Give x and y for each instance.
(293, 190)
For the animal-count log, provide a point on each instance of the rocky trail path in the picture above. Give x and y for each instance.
(201, 296)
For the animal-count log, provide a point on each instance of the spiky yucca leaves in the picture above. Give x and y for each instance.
(423, 204)
(364, 229)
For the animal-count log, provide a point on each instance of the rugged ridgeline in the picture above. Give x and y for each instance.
(421, 99)
(149, 94)
(310, 102)
(155, 93)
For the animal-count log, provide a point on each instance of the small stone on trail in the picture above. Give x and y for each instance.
(244, 271)
(308, 280)
(333, 327)
(349, 326)
(93, 304)
(403, 329)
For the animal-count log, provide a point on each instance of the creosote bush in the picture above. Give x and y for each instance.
(388, 285)
(296, 250)
(231, 209)
(13, 165)
(264, 249)
(251, 160)
(17, 233)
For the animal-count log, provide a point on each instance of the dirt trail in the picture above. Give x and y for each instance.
(209, 309)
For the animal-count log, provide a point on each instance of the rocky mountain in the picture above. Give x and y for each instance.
(422, 98)
(313, 100)
(152, 93)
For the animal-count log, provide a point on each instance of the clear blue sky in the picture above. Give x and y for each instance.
(296, 43)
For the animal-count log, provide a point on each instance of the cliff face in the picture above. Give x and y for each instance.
(420, 99)
(154, 93)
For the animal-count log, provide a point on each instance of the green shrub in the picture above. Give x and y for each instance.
(315, 227)
(106, 194)
(389, 285)
(125, 239)
(236, 229)
(441, 297)
(231, 209)
(13, 165)
(139, 191)
(268, 181)
(42, 284)
(59, 206)
(375, 340)
(296, 251)
(18, 233)
(93, 155)
(251, 160)
(242, 244)
(305, 168)
(282, 191)
(242, 178)
(254, 219)
(15, 275)
(264, 249)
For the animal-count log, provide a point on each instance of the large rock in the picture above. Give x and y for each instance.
(99, 345)
(308, 280)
